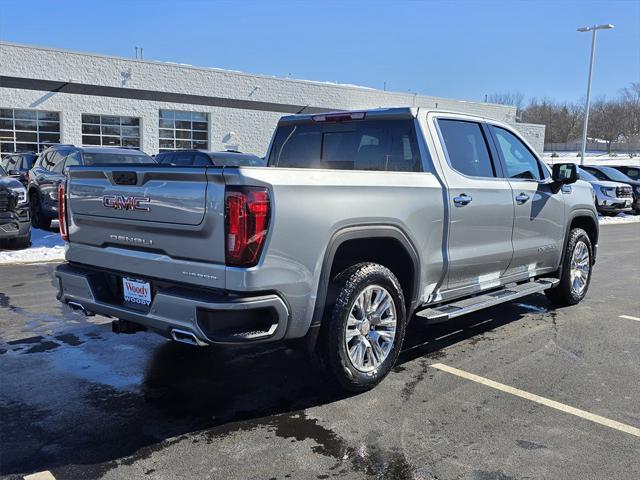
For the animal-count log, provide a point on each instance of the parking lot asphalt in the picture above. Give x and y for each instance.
(81, 402)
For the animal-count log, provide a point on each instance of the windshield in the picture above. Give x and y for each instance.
(108, 158)
(614, 174)
(584, 175)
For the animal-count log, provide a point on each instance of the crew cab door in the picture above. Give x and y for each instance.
(538, 228)
(480, 206)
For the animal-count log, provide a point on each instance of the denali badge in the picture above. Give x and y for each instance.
(122, 202)
(135, 240)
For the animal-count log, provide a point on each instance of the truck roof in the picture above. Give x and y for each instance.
(387, 113)
(371, 113)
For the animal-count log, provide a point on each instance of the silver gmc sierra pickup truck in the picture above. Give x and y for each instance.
(359, 222)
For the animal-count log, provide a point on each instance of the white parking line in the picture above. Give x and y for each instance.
(46, 475)
(629, 317)
(538, 399)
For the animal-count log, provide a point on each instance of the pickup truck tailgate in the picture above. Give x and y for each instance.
(149, 215)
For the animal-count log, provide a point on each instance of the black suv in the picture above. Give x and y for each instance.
(18, 165)
(14, 212)
(204, 158)
(49, 171)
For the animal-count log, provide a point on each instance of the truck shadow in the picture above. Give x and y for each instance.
(187, 390)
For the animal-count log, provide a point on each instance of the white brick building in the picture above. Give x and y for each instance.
(49, 95)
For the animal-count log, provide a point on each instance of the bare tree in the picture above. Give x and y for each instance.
(514, 99)
(630, 97)
(607, 121)
(562, 120)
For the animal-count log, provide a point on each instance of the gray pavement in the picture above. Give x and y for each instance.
(81, 402)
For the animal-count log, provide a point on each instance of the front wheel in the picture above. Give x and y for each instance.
(576, 270)
(363, 335)
(38, 220)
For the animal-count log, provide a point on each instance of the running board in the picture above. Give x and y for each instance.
(447, 311)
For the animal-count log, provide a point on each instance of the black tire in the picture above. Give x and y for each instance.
(566, 293)
(38, 220)
(331, 350)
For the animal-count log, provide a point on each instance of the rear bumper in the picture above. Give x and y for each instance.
(213, 317)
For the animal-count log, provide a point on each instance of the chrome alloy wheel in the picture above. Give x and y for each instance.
(580, 267)
(371, 328)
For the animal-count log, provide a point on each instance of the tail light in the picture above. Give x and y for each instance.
(246, 224)
(62, 211)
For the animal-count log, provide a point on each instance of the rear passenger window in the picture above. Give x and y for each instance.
(164, 158)
(520, 162)
(380, 145)
(182, 159)
(466, 148)
(201, 160)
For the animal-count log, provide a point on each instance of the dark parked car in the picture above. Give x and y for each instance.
(203, 158)
(614, 175)
(14, 212)
(18, 165)
(49, 171)
(632, 172)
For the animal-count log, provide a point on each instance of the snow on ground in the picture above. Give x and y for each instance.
(46, 246)
(618, 219)
(592, 159)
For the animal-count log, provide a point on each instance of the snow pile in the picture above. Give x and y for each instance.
(592, 159)
(46, 246)
(618, 219)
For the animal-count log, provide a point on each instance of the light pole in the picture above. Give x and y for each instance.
(593, 29)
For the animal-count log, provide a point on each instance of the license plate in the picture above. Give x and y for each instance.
(136, 291)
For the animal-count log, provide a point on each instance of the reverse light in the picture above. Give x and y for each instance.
(247, 212)
(62, 211)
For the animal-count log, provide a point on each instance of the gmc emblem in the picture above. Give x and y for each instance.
(122, 202)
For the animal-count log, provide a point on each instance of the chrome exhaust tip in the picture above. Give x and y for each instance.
(184, 336)
(77, 306)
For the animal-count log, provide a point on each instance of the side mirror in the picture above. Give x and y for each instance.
(14, 173)
(565, 173)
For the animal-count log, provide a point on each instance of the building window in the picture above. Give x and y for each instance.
(28, 130)
(110, 131)
(183, 130)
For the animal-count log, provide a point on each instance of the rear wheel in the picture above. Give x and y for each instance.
(576, 270)
(38, 220)
(363, 335)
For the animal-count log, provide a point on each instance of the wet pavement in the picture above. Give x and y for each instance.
(82, 402)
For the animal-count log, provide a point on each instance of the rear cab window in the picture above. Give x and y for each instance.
(466, 148)
(378, 145)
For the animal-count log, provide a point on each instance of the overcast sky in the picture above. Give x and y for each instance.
(458, 49)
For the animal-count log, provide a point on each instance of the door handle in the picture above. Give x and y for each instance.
(462, 200)
(522, 198)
